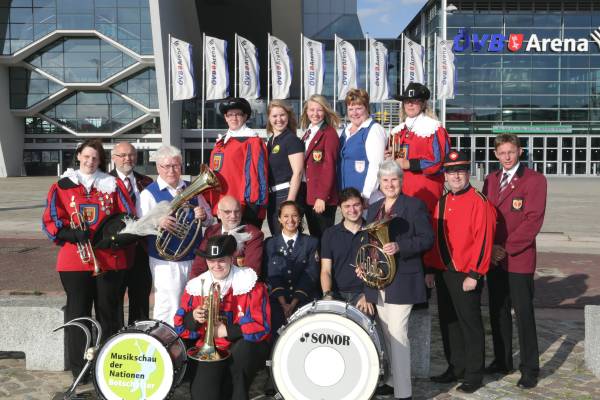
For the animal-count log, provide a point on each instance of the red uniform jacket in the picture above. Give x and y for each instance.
(245, 307)
(108, 196)
(464, 225)
(249, 256)
(425, 143)
(241, 166)
(320, 162)
(521, 207)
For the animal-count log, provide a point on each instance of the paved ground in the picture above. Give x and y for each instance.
(566, 281)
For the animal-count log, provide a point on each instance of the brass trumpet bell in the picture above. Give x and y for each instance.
(377, 268)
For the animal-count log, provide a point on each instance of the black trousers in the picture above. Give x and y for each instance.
(250, 216)
(511, 290)
(230, 379)
(317, 223)
(461, 325)
(275, 199)
(137, 282)
(84, 291)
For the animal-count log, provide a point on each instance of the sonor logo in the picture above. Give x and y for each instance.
(325, 338)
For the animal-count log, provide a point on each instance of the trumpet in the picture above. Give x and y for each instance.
(209, 352)
(377, 268)
(85, 250)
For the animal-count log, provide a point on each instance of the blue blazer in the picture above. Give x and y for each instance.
(295, 275)
(411, 229)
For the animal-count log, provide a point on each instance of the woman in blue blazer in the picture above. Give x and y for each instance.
(410, 236)
(291, 262)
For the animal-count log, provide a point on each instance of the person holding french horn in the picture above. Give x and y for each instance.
(409, 234)
(226, 310)
(170, 272)
(76, 208)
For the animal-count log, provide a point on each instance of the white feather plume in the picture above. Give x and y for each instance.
(148, 224)
(240, 237)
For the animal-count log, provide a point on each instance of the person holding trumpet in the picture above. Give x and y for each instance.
(241, 329)
(76, 207)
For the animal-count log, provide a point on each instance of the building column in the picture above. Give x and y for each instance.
(12, 133)
(178, 18)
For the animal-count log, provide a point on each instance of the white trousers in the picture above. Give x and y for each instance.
(393, 320)
(168, 279)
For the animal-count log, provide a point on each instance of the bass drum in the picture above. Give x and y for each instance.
(328, 350)
(146, 360)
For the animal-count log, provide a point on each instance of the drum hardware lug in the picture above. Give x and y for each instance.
(269, 363)
(278, 396)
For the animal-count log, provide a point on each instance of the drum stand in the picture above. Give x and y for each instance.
(88, 355)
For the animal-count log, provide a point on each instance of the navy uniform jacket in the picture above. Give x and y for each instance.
(411, 229)
(293, 276)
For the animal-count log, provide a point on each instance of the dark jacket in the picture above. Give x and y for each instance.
(293, 276)
(521, 208)
(411, 229)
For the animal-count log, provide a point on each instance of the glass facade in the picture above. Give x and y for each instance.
(77, 60)
(25, 21)
(549, 97)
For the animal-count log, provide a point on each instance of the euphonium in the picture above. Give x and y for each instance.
(85, 250)
(378, 269)
(176, 245)
(208, 352)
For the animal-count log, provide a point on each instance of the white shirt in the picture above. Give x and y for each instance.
(287, 238)
(131, 177)
(147, 201)
(313, 131)
(374, 147)
(511, 172)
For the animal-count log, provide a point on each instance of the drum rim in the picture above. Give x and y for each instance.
(292, 394)
(134, 331)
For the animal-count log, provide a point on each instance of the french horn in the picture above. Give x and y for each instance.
(173, 246)
(377, 269)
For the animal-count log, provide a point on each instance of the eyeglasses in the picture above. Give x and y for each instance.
(234, 115)
(171, 166)
(231, 212)
(123, 155)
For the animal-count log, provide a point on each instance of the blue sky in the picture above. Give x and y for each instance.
(387, 18)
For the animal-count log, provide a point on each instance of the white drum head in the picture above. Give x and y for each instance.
(132, 366)
(325, 356)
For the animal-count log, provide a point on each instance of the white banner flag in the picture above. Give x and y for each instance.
(346, 67)
(217, 73)
(314, 66)
(281, 69)
(445, 69)
(248, 70)
(378, 66)
(413, 62)
(182, 70)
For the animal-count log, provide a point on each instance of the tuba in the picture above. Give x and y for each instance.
(377, 268)
(174, 246)
(85, 250)
(209, 352)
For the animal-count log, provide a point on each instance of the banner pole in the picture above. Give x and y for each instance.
(268, 67)
(434, 89)
(301, 69)
(367, 72)
(169, 88)
(235, 66)
(334, 71)
(203, 92)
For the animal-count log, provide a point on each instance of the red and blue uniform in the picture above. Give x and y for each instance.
(240, 163)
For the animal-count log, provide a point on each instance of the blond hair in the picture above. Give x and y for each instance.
(425, 110)
(360, 97)
(331, 118)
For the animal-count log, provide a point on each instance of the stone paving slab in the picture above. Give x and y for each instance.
(563, 374)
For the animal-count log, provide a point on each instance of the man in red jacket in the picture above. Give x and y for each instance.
(519, 195)
(464, 223)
